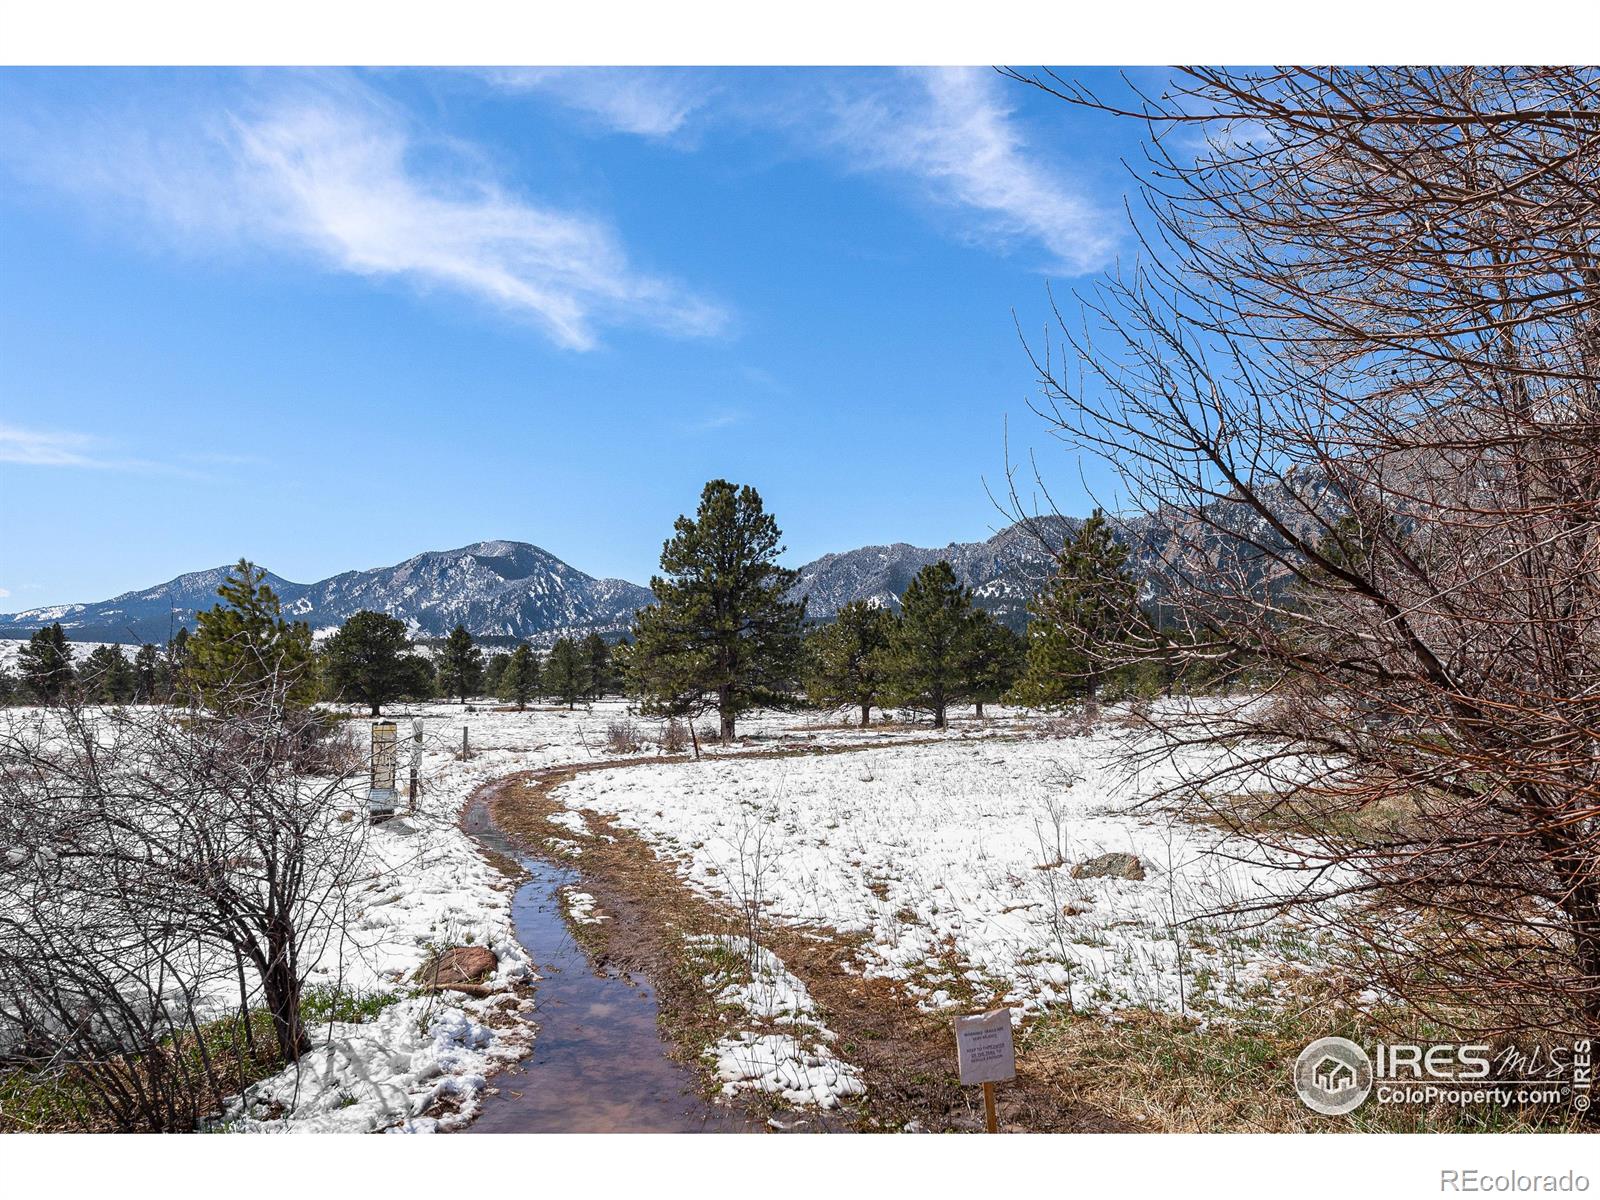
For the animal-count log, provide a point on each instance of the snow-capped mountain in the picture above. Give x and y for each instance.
(516, 590)
(1003, 572)
(495, 589)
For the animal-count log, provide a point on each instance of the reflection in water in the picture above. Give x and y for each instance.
(598, 1063)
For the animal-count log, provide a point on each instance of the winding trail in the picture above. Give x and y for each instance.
(599, 1062)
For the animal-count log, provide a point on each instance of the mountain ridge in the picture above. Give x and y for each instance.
(510, 589)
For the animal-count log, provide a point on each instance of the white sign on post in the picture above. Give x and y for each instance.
(984, 1049)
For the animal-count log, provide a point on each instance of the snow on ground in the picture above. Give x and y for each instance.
(425, 886)
(968, 846)
(581, 907)
(926, 843)
(795, 1060)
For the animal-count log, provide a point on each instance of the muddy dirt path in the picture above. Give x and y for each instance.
(599, 1064)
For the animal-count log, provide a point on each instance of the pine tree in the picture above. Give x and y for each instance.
(597, 666)
(565, 672)
(845, 659)
(175, 666)
(367, 659)
(243, 653)
(519, 681)
(1089, 607)
(147, 674)
(107, 676)
(45, 664)
(461, 668)
(931, 645)
(722, 632)
(995, 661)
(9, 687)
(494, 672)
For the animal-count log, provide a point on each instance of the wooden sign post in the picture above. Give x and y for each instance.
(986, 1054)
(380, 792)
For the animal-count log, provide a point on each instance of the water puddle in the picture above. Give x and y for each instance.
(599, 1064)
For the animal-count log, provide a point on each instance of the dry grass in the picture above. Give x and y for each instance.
(1170, 1074)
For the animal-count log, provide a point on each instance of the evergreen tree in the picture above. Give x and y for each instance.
(930, 647)
(1089, 607)
(995, 661)
(107, 676)
(45, 664)
(494, 671)
(10, 689)
(597, 666)
(418, 679)
(845, 659)
(722, 632)
(367, 659)
(243, 652)
(519, 681)
(147, 674)
(461, 668)
(173, 667)
(565, 673)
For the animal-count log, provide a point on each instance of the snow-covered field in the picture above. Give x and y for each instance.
(951, 852)
(426, 885)
(956, 858)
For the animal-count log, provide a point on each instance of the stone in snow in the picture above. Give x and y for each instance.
(1116, 865)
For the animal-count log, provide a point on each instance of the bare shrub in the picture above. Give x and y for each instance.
(1075, 723)
(674, 737)
(328, 747)
(153, 863)
(623, 737)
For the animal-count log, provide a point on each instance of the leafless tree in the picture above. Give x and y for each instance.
(1353, 383)
(160, 869)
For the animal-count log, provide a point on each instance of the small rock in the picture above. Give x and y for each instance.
(458, 965)
(1116, 865)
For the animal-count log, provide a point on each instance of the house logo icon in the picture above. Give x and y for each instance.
(1333, 1076)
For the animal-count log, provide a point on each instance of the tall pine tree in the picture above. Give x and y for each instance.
(244, 654)
(461, 666)
(597, 666)
(995, 660)
(930, 650)
(147, 675)
(368, 659)
(519, 681)
(565, 673)
(107, 676)
(722, 633)
(1088, 610)
(845, 659)
(45, 664)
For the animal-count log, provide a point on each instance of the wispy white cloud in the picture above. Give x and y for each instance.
(71, 449)
(332, 171)
(47, 448)
(649, 101)
(711, 422)
(954, 131)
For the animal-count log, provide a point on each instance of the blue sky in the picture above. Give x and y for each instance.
(329, 319)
